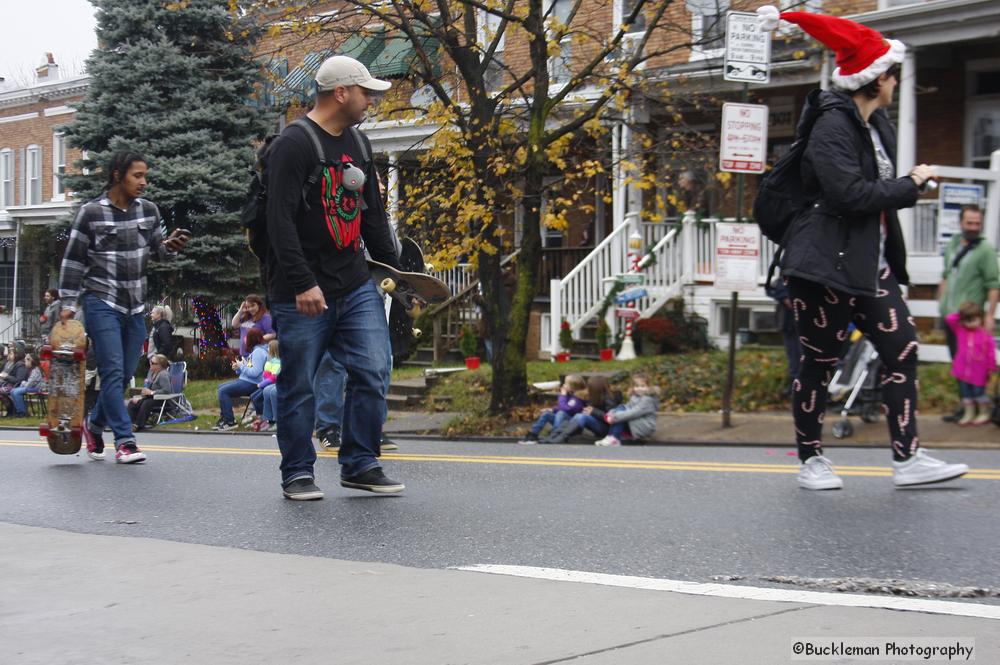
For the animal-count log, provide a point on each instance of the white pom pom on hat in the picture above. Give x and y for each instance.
(863, 54)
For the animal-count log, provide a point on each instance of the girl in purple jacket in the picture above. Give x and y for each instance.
(568, 406)
(975, 360)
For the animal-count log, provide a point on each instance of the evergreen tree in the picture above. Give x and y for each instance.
(173, 80)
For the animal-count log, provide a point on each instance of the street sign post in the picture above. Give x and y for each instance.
(737, 256)
(748, 49)
(743, 148)
(951, 197)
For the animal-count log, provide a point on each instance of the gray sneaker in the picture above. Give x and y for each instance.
(302, 489)
(922, 469)
(372, 480)
(817, 473)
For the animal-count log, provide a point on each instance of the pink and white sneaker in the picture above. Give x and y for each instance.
(129, 453)
(95, 445)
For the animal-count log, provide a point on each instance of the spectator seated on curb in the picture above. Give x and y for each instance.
(636, 421)
(601, 399)
(569, 405)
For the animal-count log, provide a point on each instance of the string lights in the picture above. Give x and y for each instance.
(210, 323)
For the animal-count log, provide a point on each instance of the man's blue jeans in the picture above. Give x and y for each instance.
(354, 330)
(117, 340)
(329, 389)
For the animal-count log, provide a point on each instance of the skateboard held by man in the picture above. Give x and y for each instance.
(410, 289)
(67, 356)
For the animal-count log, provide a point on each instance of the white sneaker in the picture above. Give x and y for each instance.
(817, 473)
(608, 441)
(922, 469)
(528, 442)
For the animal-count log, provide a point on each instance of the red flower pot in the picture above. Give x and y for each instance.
(472, 362)
(562, 357)
(607, 354)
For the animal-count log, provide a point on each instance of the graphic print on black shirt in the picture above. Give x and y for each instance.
(341, 207)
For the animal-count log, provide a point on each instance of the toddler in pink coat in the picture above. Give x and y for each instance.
(975, 361)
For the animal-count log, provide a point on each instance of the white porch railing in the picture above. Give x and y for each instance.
(458, 278)
(578, 296)
(925, 229)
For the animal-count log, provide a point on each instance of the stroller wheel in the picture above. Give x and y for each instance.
(842, 429)
(870, 413)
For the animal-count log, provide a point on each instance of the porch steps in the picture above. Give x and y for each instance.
(409, 393)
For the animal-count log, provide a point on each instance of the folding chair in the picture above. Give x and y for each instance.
(174, 405)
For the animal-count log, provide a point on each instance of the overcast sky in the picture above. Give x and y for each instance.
(29, 28)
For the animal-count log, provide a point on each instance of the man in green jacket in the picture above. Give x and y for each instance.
(970, 275)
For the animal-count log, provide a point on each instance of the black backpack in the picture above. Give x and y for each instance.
(780, 195)
(253, 215)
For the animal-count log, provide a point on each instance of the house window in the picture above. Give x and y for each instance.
(489, 25)
(58, 165)
(708, 28)
(6, 178)
(559, 63)
(33, 175)
(626, 7)
(982, 112)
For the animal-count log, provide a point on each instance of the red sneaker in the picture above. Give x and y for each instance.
(95, 444)
(129, 453)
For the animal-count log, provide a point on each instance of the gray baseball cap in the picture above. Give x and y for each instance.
(346, 71)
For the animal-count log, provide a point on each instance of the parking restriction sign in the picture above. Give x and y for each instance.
(748, 49)
(743, 148)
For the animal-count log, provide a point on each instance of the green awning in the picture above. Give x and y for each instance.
(395, 59)
(363, 47)
(298, 83)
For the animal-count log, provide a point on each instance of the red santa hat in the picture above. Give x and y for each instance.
(862, 53)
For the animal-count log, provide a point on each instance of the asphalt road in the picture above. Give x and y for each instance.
(666, 512)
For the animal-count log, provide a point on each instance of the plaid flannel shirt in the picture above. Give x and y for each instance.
(108, 252)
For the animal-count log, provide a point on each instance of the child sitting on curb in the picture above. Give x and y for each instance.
(569, 405)
(600, 400)
(637, 419)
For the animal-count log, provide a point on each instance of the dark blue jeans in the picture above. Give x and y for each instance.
(971, 392)
(587, 421)
(329, 388)
(117, 340)
(354, 330)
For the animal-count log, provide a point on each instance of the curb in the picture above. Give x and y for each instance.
(694, 443)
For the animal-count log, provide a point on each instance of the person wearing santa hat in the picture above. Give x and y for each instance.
(844, 256)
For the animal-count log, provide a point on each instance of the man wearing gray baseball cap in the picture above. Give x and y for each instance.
(322, 201)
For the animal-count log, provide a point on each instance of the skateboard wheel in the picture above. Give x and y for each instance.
(388, 285)
(44, 430)
(79, 354)
(46, 352)
(76, 430)
(428, 267)
(417, 333)
(416, 311)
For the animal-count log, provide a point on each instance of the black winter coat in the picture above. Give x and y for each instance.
(835, 241)
(163, 341)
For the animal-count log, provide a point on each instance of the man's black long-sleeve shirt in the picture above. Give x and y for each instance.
(322, 245)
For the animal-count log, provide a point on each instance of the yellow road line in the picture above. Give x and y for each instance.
(573, 462)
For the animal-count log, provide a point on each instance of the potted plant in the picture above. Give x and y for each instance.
(604, 340)
(468, 345)
(565, 342)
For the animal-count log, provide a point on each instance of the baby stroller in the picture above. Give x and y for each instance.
(857, 378)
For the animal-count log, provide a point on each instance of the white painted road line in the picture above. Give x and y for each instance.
(744, 592)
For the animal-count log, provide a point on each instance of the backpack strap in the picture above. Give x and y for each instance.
(317, 171)
(362, 146)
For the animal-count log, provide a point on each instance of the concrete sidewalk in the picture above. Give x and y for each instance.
(82, 599)
(761, 428)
